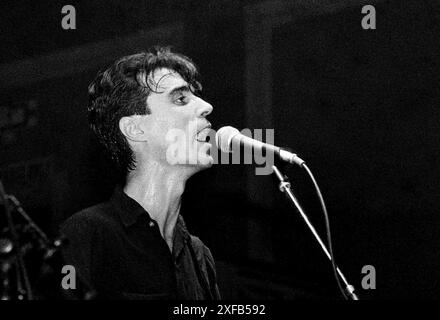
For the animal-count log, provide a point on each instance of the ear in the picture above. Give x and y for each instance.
(131, 129)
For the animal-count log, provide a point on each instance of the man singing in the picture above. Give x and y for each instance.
(136, 245)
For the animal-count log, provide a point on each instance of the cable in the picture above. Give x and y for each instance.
(327, 226)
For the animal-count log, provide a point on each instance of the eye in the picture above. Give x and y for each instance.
(181, 100)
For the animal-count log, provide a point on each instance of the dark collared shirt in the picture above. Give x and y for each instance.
(117, 250)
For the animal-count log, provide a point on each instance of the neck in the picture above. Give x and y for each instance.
(158, 189)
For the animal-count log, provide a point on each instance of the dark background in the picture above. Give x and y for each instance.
(360, 106)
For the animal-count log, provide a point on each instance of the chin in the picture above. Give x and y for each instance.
(201, 158)
(208, 163)
(204, 161)
(197, 163)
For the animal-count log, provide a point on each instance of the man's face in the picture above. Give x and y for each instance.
(177, 127)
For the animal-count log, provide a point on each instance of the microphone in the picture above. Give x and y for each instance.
(228, 137)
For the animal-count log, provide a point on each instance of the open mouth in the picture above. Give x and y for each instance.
(203, 135)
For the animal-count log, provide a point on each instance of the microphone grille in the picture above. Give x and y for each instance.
(224, 136)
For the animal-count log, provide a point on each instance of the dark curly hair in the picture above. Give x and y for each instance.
(122, 90)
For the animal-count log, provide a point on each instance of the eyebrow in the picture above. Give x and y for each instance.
(183, 88)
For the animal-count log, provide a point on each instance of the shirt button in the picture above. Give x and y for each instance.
(151, 224)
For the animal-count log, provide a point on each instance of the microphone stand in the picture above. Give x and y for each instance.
(285, 188)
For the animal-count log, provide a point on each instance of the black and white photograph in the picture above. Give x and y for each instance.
(220, 158)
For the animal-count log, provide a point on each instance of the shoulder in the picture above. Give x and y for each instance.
(88, 220)
(208, 265)
(202, 251)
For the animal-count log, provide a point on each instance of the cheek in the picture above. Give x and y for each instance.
(162, 131)
(180, 122)
(169, 122)
(154, 129)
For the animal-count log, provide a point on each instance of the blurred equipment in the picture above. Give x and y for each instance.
(22, 240)
(6, 252)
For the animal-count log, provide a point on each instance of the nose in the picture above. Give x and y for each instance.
(204, 108)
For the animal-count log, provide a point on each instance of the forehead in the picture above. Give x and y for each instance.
(163, 79)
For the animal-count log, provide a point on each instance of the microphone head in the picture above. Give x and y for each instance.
(224, 136)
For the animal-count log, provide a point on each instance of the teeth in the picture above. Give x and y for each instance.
(202, 136)
(205, 139)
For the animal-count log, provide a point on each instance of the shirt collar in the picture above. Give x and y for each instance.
(129, 210)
